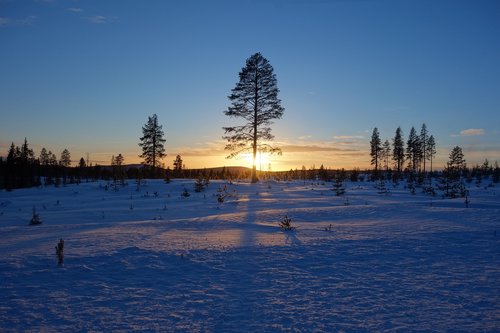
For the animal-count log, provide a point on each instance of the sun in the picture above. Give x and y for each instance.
(262, 161)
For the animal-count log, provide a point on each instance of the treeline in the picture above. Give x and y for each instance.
(21, 169)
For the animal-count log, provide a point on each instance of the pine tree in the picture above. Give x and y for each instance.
(375, 148)
(452, 174)
(65, 160)
(398, 151)
(424, 142)
(386, 153)
(431, 149)
(178, 165)
(26, 166)
(323, 173)
(52, 159)
(27, 154)
(338, 185)
(255, 99)
(457, 161)
(119, 160)
(117, 168)
(413, 151)
(152, 142)
(44, 157)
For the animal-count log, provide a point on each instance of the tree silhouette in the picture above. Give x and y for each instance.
(413, 150)
(424, 142)
(386, 154)
(255, 99)
(178, 165)
(65, 160)
(398, 151)
(152, 142)
(451, 181)
(431, 149)
(375, 148)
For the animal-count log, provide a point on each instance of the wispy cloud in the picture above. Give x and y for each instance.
(74, 10)
(100, 19)
(312, 148)
(305, 137)
(472, 132)
(7, 21)
(4, 21)
(348, 137)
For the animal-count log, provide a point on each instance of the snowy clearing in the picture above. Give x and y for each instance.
(150, 259)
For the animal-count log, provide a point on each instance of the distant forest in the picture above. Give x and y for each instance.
(21, 169)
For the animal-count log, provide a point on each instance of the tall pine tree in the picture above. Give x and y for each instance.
(398, 150)
(375, 148)
(255, 100)
(431, 149)
(424, 141)
(413, 150)
(152, 142)
(386, 153)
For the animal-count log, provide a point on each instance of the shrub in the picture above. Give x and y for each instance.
(185, 193)
(35, 219)
(286, 224)
(60, 251)
(199, 185)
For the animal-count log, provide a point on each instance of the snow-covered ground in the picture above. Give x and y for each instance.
(152, 260)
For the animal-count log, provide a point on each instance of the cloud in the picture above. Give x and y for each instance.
(472, 132)
(7, 21)
(305, 137)
(99, 19)
(347, 137)
(74, 10)
(4, 21)
(312, 148)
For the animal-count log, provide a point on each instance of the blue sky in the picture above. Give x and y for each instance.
(85, 75)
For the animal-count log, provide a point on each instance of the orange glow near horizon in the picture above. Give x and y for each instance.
(265, 162)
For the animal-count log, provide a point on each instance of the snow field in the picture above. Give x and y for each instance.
(136, 261)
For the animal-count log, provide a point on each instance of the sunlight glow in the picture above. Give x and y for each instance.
(262, 161)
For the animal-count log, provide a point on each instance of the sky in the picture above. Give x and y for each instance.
(85, 75)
